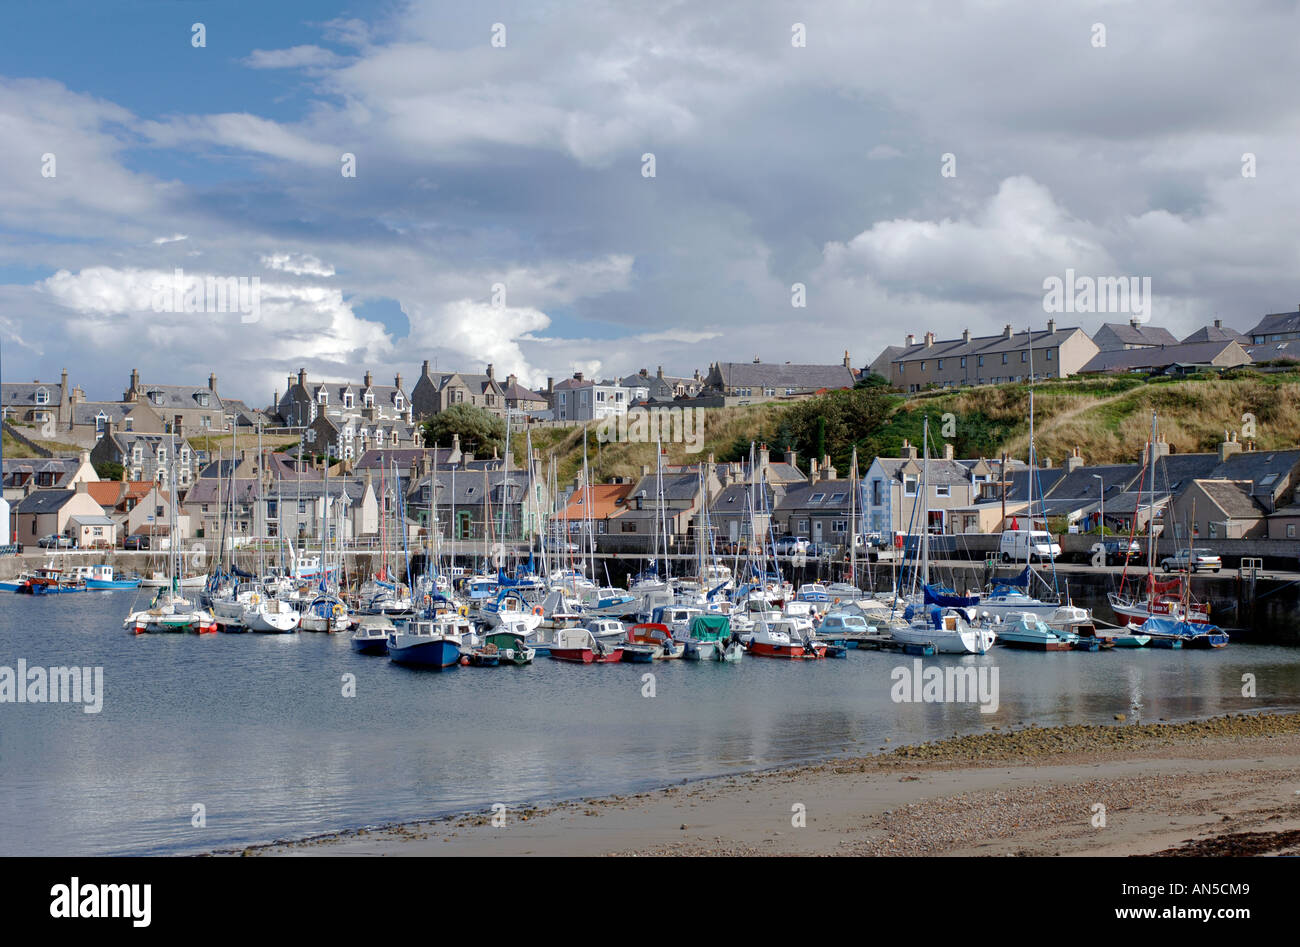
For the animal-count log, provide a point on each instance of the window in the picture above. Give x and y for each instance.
(875, 493)
(302, 507)
(817, 498)
(923, 366)
(909, 485)
(981, 361)
(1214, 530)
(1024, 356)
(940, 364)
(1290, 530)
(1049, 355)
(99, 421)
(1004, 358)
(943, 490)
(840, 526)
(347, 400)
(803, 526)
(963, 361)
(42, 396)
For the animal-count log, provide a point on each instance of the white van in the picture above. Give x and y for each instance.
(1024, 544)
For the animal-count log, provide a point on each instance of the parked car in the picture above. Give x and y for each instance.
(56, 541)
(791, 546)
(1115, 551)
(1025, 544)
(559, 544)
(136, 541)
(1201, 560)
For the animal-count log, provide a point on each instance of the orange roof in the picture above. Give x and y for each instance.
(110, 493)
(604, 501)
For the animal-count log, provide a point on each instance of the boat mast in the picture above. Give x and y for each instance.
(925, 502)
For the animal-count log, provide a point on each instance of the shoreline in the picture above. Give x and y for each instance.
(1219, 785)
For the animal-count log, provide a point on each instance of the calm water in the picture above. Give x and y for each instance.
(256, 728)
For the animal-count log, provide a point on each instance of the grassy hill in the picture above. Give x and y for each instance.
(1108, 419)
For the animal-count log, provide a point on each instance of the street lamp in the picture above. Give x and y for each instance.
(1101, 493)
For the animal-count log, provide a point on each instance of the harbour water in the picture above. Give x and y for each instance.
(256, 728)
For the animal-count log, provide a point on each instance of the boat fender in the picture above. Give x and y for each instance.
(427, 599)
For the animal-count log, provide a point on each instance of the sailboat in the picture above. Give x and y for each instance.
(947, 628)
(170, 611)
(1158, 599)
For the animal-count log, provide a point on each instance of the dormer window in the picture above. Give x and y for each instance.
(162, 454)
(203, 399)
(42, 396)
(397, 400)
(156, 397)
(370, 399)
(347, 400)
(322, 397)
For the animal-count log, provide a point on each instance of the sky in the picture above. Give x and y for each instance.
(920, 166)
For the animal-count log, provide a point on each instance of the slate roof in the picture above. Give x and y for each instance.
(44, 501)
(1286, 350)
(1277, 323)
(1216, 333)
(784, 375)
(830, 496)
(180, 397)
(13, 394)
(1233, 497)
(987, 344)
(1141, 334)
(1198, 353)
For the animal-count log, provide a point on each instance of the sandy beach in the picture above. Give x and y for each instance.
(1227, 785)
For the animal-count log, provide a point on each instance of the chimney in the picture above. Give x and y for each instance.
(659, 372)
(491, 375)
(302, 377)
(577, 376)
(212, 383)
(911, 340)
(929, 339)
(965, 335)
(1047, 463)
(511, 379)
(1161, 449)
(424, 369)
(813, 468)
(909, 450)
(947, 451)
(455, 447)
(1229, 446)
(369, 378)
(63, 380)
(1218, 323)
(764, 457)
(1006, 331)
(81, 487)
(828, 472)
(847, 363)
(645, 470)
(550, 387)
(1074, 461)
(1051, 326)
(790, 459)
(397, 381)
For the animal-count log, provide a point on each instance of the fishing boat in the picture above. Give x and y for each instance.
(432, 643)
(606, 630)
(503, 645)
(1026, 630)
(1187, 634)
(580, 646)
(102, 578)
(708, 638)
(780, 638)
(948, 629)
(371, 636)
(510, 605)
(657, 637)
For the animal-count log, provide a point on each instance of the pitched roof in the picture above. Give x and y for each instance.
(1162, 356)
(1277, 323)
(44, 501)
(1215, 333)
(987, 344)
(1233, 497)
(606, 499)
(1140, 334)
(785, 375)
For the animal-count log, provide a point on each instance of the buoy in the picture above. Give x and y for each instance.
(463, 611)
(537, 610)
(464, 660)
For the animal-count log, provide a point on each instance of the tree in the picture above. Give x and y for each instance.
(109, 470)
(481, 432)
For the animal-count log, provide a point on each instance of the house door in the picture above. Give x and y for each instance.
(733, 530)
(817, 531)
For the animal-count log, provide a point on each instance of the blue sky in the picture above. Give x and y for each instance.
(521, 166)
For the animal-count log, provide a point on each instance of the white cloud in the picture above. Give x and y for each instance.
(300, 264)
